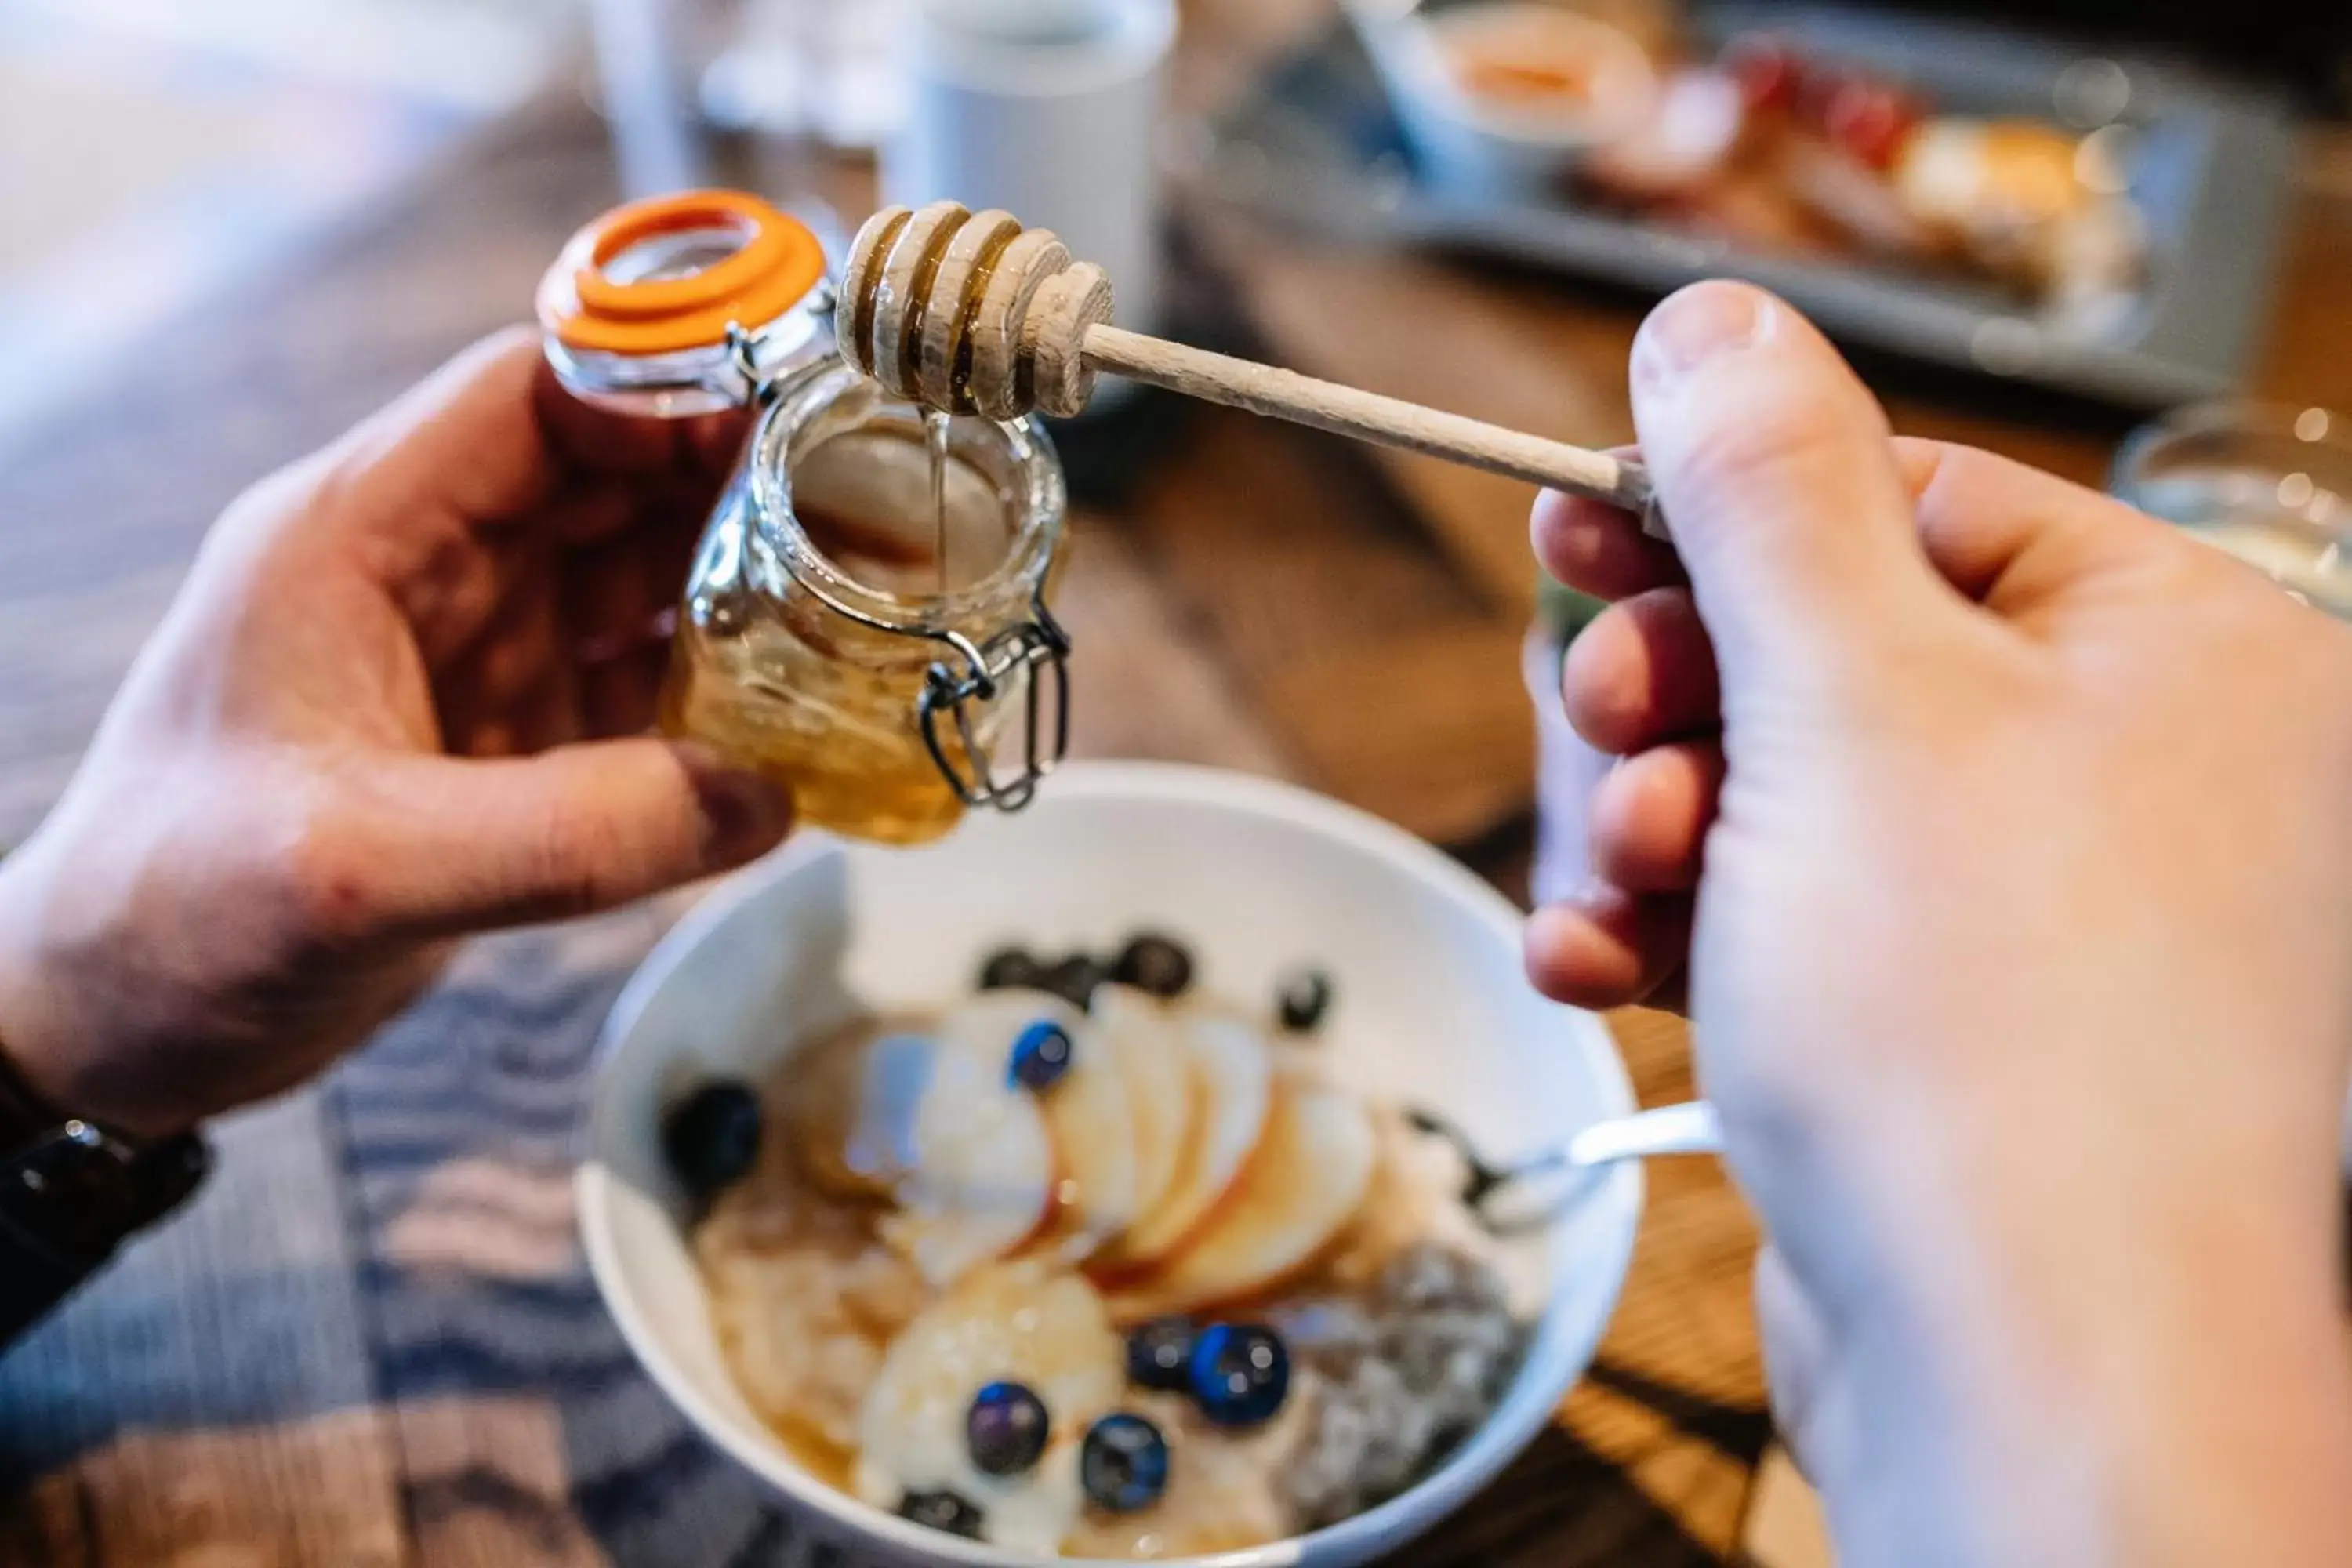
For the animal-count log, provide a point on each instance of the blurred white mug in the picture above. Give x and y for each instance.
(1046, 109)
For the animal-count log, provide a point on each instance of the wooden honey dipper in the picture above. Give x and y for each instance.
(971, 313)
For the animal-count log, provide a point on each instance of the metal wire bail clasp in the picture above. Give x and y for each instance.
(1033, 655)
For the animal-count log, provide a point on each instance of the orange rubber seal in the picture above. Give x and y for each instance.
(778, 262)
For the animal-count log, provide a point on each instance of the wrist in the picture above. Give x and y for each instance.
(28, 1103)
(33, 1086)
(53, 1054)
(74, 1184)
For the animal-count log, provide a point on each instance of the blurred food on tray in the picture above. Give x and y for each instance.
(1500, 98)
(1759, 143)
(1765, 146)
(1541, 64)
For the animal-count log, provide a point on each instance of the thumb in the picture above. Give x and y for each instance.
(1778, 470)
(470, 845)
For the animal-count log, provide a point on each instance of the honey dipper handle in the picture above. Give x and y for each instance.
(1365, 416)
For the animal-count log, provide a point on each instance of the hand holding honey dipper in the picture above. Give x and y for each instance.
(972, 313)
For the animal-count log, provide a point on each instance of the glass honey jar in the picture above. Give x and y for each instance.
(865, 619)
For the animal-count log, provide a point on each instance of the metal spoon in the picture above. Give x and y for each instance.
(1688, 1129)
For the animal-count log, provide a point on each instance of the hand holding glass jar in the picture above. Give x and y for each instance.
(404, 695)
(407, 692)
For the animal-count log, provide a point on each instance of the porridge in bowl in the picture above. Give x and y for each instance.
(1094, 1263)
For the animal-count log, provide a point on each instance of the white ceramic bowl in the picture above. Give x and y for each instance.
(1475, 149)
(1431, 1004)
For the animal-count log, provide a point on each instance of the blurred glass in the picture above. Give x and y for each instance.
(815, 69)
(763, 95)
(688, 84)
(2271, 485)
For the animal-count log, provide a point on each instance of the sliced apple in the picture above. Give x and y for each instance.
(1025, 1321)
(1415, 1199)
(966, 1156)
(1147, 1041)
(1232, 1078)
(1308, 1178)
(1085, 1113)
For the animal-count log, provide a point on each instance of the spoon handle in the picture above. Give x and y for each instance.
(1688, 1128)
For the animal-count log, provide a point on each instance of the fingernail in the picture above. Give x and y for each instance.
(744, 814)
(1702, 323)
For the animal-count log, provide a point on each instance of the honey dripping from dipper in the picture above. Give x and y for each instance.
(899, 509)
(936, 432)
(907, 529)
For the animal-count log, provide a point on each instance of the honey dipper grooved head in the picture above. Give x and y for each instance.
(969, 313)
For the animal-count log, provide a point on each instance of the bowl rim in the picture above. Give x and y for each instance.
(1418, 1507)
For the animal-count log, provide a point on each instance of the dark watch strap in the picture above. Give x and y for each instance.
(70, 1193)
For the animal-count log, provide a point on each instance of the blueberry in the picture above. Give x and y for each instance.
(1041, 1055)
(1240, 1374)
(712, 1136)
(1155, 964)
(943, 1511)
(1304, 999)
(1123, 1464)
(1074, 979)
(1160, 1355)
(1006, 1429)
(1012, 968)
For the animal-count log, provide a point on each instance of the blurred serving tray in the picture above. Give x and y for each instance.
(1318, 145)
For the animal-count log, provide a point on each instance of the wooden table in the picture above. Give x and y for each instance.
(372, 1342)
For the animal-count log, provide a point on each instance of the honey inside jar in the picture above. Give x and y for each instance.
(825, 584)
